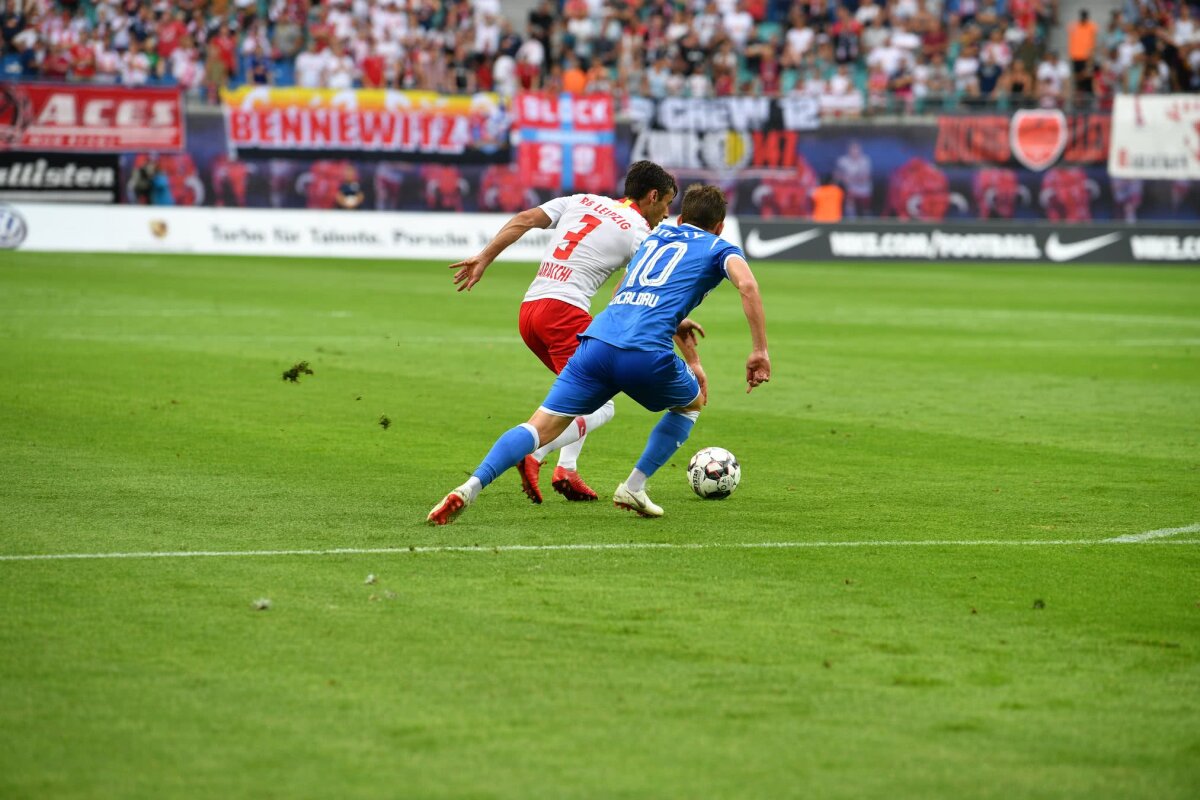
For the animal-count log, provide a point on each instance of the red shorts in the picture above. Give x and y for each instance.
(550, 329)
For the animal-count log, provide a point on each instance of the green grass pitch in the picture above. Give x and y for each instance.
(142, 410)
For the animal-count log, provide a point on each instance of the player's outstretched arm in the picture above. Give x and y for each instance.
(471, 270)
(758, 365)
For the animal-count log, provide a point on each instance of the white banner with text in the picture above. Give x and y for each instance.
(1155, 136)
(265, 232)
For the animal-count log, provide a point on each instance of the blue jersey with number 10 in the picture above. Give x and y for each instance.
(669, 275)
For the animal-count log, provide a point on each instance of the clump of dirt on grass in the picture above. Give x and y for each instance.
(298, 369)
(384, 422)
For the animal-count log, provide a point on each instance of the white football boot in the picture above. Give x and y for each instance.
(636, 501)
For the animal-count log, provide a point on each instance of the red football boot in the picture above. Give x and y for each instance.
(451, 506)
(529, 468)
(568, 483)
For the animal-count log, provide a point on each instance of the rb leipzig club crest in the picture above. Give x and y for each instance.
(1038, 138)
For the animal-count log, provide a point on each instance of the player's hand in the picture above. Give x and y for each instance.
(758, 369)
(698, 371)
(688, 328)
(470, 271)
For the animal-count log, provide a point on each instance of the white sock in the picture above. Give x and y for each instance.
(575, 433)
(568, 456)
(636, 481)
(472, 487)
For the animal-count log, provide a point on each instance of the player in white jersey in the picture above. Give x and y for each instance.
(599, 235)
(854, 171)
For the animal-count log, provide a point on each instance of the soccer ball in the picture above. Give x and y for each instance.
(714, 473)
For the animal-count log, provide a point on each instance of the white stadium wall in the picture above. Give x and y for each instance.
(75, 227)
(265, 232)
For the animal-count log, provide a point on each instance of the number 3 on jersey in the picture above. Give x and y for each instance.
(573, 238)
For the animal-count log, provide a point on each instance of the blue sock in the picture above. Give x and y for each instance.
(668, 436)
(507, 452)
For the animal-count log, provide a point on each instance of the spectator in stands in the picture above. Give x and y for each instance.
(171, 30)
(184, 64)
(867, 13)
(541, 23)
(922, 92)
(846, 34)
(225, 46)
(142, 180)
(340, 71)
(135, 65)
(738, 24)
(349, 192)
(684, 48)
(287, 38)
(842, 98)
(877, 86)
(83, 59)
(875, 35)
(160, 186)
(828, 200)
(12, 23)
(1019, 85)
(1081, 49)
(259, 69)
(799, 41)
(373, 66)
(998, 48)
(216, 72)
(574, 79)
(311, 67)
(1053, 77)
(708, 24)
(57, 63)
(966, 74)
(990, 74)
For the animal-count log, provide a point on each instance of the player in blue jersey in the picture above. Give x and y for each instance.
(628, 348)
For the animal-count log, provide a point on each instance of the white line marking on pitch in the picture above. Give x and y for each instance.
(1152, 535)
(524, 548)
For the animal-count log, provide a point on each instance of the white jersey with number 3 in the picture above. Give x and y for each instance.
(594, 237)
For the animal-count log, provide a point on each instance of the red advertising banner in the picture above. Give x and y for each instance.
(392, 125)
(109, 119)
(1036, 139)
(566, 142)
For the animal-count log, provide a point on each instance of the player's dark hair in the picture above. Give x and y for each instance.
(703, 206)
(645, 176)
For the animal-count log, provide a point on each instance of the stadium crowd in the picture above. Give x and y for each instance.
(855, 56)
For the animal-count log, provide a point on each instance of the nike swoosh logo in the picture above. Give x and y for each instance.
(1057, 251)
(756, 247)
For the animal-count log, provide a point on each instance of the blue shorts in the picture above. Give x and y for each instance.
(656, 379)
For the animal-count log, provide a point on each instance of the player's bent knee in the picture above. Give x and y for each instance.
(549, 425)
